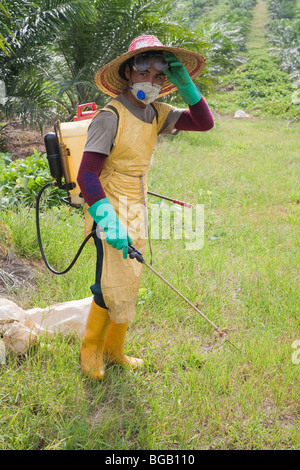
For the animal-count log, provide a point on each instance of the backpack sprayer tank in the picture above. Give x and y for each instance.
(64, 149)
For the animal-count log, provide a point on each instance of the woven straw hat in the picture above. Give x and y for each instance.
(109, 80)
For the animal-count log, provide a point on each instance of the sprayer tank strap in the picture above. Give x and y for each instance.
(115, 111)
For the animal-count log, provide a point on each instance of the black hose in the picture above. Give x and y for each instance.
(40, 240)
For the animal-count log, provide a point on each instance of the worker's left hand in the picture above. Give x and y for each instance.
(178, 75)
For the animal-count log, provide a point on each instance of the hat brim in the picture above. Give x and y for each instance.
(111, 83)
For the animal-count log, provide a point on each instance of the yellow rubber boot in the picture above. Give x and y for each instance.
(114, 346)
(91, 351)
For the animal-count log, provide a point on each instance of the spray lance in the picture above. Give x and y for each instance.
(134, 253)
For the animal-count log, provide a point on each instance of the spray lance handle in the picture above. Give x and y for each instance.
(134, 253)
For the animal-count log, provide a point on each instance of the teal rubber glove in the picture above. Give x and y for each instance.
(116, 235)
(178, 75)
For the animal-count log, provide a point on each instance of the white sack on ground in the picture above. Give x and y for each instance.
(20, 328)
(10, 312)
(18, 337)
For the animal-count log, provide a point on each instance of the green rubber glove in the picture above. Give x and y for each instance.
(178, 75)
(116, 235)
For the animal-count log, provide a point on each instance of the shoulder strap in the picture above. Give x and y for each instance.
(109, 106)
(155, 110)
(113, 109)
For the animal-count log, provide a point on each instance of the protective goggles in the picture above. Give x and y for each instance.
(142, 62)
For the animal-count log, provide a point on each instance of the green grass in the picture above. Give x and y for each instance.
(256, 37)
(258, 88)
(195, 391)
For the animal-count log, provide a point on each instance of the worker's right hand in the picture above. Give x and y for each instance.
(178, 75)
(105, 216)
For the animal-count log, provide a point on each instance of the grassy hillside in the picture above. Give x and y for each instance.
(261, 86)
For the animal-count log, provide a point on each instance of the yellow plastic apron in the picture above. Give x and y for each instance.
(124, 180)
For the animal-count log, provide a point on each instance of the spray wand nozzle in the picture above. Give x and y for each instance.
(134, 253)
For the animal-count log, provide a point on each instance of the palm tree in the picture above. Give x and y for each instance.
(4, 15)
(61, 44)
(35, 26)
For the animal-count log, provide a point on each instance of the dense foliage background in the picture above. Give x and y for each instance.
(49, 63)
(50, 49)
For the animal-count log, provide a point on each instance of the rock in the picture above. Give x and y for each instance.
(240, 114)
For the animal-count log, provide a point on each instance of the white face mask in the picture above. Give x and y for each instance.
(145, 91)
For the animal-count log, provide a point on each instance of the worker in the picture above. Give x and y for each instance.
(113, 180)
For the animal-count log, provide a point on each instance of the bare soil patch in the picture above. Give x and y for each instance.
(15, 273)
(20, 140)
